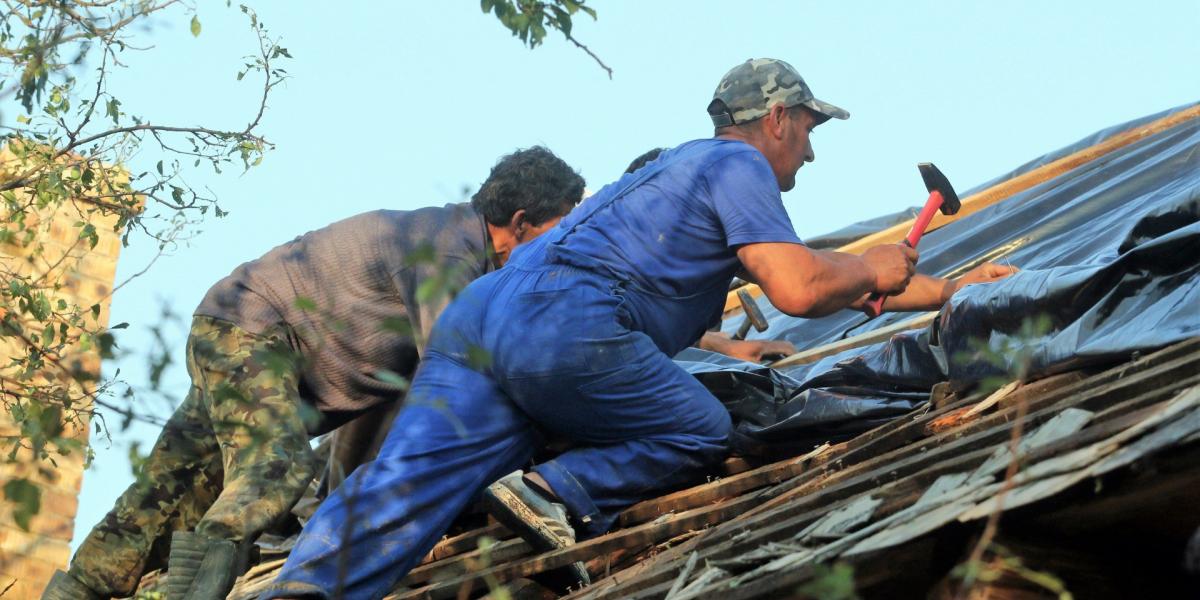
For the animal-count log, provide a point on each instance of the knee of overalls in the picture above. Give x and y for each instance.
(712, 431)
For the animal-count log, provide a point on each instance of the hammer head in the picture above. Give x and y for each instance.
(753, 313)
(935, 181)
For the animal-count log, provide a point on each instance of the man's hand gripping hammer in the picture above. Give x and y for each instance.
(941, 197)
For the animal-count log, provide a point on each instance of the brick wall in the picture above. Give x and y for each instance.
(29, 558)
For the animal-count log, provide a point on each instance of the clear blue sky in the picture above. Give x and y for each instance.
(405, 104)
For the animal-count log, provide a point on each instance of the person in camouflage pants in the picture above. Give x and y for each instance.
(240, 430)
(291, 345)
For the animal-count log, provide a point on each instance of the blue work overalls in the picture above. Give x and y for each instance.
(538, 345)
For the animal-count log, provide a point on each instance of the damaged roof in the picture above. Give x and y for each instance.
(1080, 474)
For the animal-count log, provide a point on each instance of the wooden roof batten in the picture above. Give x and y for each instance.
(890, 469)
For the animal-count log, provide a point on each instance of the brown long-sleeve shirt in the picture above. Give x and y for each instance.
(358, 297)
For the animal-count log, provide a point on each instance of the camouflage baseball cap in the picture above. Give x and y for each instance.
(749, 90)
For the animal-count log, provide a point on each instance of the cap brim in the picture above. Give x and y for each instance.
(826, 111)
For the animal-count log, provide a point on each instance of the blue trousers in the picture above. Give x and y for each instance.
(518, 352)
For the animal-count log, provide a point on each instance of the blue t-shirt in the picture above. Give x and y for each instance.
(670, 231)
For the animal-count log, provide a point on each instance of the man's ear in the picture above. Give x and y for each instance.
(774, 120)
(519, 223)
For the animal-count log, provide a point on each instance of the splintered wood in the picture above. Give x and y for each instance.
(883, 501)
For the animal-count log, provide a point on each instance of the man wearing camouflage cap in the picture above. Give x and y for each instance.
(749, 90)
(575, 336)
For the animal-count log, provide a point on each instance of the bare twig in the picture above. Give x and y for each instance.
(580, 45)
(993, 522)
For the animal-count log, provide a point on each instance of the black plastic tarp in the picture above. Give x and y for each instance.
(1110, 253)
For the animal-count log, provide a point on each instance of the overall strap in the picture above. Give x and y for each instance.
(638, 177)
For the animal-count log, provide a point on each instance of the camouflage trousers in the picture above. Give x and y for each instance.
(232, 460)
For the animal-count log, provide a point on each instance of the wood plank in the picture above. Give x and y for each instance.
(653, 533)
(765, 475)
(1017, 394)
(863, 339)
(1161, 362)
(1159, 500)
(465, 542)
(465, 562)
(818, 494)
(718, 490)
(1089, 397)
(898, 494)
(635, 537)
(1009, 187)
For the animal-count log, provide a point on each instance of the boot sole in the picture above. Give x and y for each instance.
(513, 513)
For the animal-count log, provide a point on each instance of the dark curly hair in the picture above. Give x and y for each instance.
(533, 179)
(641, 161)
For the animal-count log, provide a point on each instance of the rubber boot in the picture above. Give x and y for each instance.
(63, 586)
(200, 568)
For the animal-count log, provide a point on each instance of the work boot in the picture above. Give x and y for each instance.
(539, 521)
(200, 567)
(64, 586)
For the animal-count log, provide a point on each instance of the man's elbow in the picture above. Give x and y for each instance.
(796, 303)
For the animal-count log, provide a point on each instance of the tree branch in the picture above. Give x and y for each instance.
(579, 45)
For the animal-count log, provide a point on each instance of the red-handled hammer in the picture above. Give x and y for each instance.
(941, 197)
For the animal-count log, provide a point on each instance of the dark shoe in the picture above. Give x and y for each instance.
(63, 586)
(200, 568)
(542, 523)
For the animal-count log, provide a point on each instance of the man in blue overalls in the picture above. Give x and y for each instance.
(575, 337)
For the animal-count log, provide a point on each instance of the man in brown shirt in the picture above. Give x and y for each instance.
(313, 333)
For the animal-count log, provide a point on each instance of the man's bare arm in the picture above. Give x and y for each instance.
(747, 350)
(813, 283)
(930, 293)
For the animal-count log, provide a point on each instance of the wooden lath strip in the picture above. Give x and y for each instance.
(1161, 372)
(879, 441)
(863, 339)
(901, 493)
(763, 509)
(899, 486)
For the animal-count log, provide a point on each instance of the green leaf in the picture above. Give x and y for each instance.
(40, 307)
(400, 325)
(478, 358)
(89, 233)
(428, 289)
(391, 378)
(114, 109)
(106, 343)
(27, 499)
(304, 303)
(195, 26)
(120, 326)
(831, 583)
